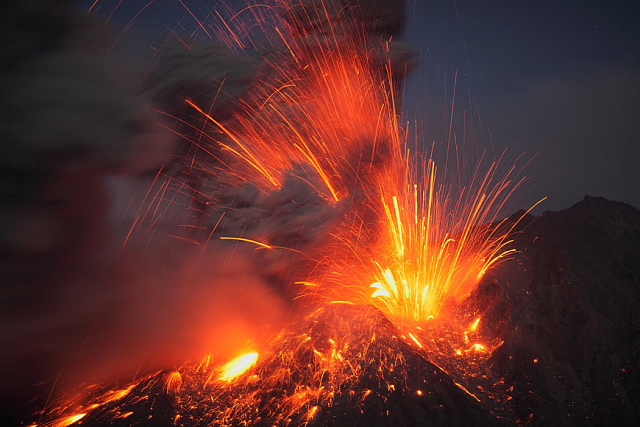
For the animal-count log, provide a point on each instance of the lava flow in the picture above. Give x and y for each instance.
(384, 334)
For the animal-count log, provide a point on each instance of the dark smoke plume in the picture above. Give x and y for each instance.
(69, 119)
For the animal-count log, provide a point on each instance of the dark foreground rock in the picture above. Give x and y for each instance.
(568, 310)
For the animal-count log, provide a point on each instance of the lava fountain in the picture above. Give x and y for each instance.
(437, 244)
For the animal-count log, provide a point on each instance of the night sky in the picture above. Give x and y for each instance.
(556, 80)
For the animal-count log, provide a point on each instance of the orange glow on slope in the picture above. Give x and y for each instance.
(238, 366)
(113, 396)
(62, 422)
(474, 325)
(174, 382)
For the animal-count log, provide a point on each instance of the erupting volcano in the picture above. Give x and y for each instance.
(399, 271)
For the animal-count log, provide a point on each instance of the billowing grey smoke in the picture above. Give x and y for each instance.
(210, 75)
(68, 118)
(295, 220)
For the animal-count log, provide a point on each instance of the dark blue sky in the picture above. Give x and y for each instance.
(555, 79)
(511, 43)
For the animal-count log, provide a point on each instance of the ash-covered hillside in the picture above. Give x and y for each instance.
(568, 310)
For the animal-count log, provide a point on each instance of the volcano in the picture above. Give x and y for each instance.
(563, 314)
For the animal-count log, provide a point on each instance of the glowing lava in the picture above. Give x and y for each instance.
(437, 243)
(65, 422)
(238, 366)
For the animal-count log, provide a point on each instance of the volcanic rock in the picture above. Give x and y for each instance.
(344, 365)
(567, 309)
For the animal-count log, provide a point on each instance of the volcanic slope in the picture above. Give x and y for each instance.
(344, 365)
(568, 311)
